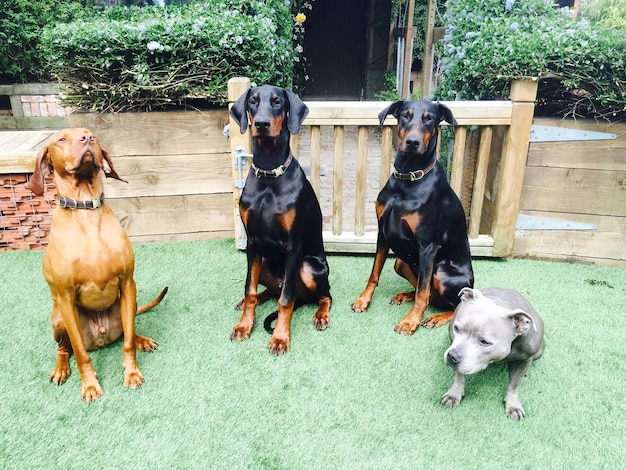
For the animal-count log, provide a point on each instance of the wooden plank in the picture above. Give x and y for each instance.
(361, 181)
(315, 158)
(171, 175)
(18, 150)
(348, 242)
(513, 161)
(598, 192)
(158, 133)
(237, 86)
(482, 166)
(600, 155)
(386, 149)
(366, 112)
(168, 215)
(602, 246)
(179, 237)
(458, 154)
(338, 138)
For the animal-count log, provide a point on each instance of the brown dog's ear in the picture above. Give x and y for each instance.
(107, 167)
(298, 112)
(391, 109)
(42, 169)
(447, 116)
(239, 111)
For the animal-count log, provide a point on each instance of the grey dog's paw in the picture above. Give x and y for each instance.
(451, 400)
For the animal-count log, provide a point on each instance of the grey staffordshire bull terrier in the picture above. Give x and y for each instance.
(495, 325)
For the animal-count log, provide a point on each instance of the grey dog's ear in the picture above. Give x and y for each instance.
(239, 111)
(391, 109)
(522, 321)
(298, 111)
(467, 293)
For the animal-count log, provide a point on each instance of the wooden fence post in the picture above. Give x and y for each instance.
(237, 86)
(512, 166)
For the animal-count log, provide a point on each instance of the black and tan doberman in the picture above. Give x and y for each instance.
(421, 219)
(281, 216)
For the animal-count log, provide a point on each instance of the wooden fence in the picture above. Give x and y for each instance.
(491, 165)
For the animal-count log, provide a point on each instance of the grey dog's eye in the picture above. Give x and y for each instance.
(456, 329)
(484, 342)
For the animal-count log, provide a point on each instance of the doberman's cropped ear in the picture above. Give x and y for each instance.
(107, 167)
(239, 111)
(467, 293)
(391, 109)
(42, 169)
(446, 115)
(298, 111)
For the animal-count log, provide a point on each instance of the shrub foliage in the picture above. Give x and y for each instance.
(129, 59)
(490, 42)
(21, 22)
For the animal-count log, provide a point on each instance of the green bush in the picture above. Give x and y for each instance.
(610, 13)
(21, 22)
(146, 58)
(490, 42)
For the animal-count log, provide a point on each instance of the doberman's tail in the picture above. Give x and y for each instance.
(267, 323)
(154, 303)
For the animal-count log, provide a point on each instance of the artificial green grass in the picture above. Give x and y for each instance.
(357, 395)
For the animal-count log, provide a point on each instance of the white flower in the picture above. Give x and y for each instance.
(154, 46)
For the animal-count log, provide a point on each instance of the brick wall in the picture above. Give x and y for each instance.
(43, 106)
(24, 218)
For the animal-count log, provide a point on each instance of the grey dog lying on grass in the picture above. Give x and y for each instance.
(495, 325)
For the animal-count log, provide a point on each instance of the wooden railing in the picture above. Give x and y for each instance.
(492, 165)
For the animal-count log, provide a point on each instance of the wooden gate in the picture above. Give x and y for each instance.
(487, 163)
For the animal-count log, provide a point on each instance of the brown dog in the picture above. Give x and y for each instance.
(89, 262)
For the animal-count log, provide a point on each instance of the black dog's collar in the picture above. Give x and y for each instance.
(275, 173)
(69, 203)
(414, 175)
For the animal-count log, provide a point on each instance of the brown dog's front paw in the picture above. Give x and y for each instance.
(403, 298)
(143, 343)
(406, 327)
(279, 346)
(91, 392)
(437, 320)
(60, 374)
(133, 379)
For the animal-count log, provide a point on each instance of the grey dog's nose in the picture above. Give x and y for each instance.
(452, 358)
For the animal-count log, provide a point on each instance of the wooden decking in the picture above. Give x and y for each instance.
(18, 149)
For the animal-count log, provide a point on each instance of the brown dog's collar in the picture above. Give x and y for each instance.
(414, 175)
(69, 203)
(276, 172)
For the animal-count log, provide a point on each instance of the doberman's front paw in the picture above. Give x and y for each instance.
(360, 305)
(279, 346)
(321, 320)
(402, 298)
(241, 331)
(437, 320)
(406, 327)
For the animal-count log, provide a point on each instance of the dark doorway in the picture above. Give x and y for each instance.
(335, 46)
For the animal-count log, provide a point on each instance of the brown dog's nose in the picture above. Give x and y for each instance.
(262, 124)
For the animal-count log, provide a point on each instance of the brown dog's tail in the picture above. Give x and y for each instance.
(154, 303)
